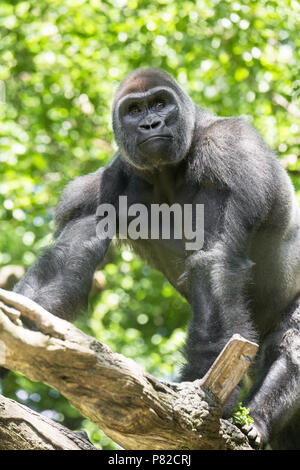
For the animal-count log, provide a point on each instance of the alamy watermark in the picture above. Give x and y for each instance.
(155, 222)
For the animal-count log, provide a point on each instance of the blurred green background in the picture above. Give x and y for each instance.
(60, 62)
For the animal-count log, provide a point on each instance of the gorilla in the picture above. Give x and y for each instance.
(245, 278)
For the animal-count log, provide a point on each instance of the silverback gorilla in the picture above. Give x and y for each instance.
(246, 277)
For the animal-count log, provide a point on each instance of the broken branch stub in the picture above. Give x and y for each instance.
(229, 367)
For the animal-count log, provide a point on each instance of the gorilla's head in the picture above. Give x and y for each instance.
(153, 119)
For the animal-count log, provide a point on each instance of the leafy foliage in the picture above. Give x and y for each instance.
(241, 415)
(60, 62)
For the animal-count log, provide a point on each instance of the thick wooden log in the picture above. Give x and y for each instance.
(132, 407)
(23, 429)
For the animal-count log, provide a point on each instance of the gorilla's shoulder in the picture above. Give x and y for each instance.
(79, 198)
(235, 135)
(236, 127)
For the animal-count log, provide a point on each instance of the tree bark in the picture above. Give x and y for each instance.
(10, 275)
(132, 407)
(23, 429)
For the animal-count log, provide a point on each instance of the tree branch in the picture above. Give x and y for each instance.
(132, 407)
(9, 275)
(23, 429)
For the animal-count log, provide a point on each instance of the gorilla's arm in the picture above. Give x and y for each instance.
(258, 216)
(60, 280)
(219, 274)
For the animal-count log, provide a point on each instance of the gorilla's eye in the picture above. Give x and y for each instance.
(134, 109)
(159, 104)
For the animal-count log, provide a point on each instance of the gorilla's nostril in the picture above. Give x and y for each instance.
(155, 124)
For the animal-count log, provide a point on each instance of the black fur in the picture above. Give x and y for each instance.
(245, 280)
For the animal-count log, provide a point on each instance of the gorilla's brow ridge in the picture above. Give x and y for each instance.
(140, 95)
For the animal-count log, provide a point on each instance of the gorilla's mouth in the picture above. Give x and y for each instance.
(155, 137)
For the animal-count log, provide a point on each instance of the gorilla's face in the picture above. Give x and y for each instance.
(151, 122)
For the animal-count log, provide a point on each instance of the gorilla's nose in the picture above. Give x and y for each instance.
(150, 124)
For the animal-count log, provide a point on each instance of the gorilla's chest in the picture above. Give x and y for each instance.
(165, 247)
